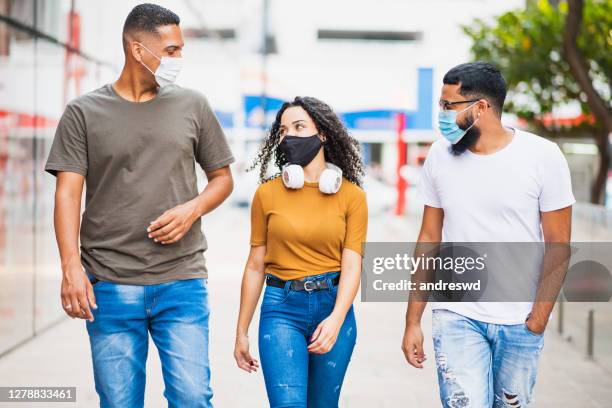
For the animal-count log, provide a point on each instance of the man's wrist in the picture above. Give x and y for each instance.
(539, 316)
(198, 208)
(70, 262)
(535, 324)
(413, 323)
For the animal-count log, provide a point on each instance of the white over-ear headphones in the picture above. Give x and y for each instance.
(329, 182)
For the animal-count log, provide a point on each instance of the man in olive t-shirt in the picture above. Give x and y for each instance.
(138, 161)
(141, 268)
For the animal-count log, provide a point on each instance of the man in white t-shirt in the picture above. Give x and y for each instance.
(484, 182)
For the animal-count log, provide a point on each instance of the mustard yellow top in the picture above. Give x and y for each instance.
(305, 230)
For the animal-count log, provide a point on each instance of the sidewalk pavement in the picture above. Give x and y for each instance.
(378, 375)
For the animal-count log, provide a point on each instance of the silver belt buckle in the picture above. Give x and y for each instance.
(309, 286)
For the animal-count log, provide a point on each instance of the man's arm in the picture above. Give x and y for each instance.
(412, 344)
(557, 227)
(174, 223)
(77, 292)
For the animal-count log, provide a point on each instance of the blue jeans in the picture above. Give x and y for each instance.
(176, 314)
(483, 364)
(293, 376)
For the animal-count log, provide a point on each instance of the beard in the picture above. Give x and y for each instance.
(468, 140)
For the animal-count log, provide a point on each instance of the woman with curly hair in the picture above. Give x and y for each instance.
(307, 229)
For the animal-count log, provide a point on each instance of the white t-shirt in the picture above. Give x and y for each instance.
(496, 198)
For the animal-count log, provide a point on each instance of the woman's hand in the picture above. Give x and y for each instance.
(242, 355)
(324, 337)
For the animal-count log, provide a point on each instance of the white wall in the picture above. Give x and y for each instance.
(348, 75)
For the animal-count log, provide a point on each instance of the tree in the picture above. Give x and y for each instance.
(554, 54)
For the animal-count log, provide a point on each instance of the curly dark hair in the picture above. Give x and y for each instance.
(339, 147)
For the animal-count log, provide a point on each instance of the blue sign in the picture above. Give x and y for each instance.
(376, 119)
(385, 119)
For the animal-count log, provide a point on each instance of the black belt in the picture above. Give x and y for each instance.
(307, 285)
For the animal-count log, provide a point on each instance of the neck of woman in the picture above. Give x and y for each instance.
(313, 170)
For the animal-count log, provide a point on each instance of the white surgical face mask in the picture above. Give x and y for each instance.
(168, 69)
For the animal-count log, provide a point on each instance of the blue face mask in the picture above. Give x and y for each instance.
(447, 122)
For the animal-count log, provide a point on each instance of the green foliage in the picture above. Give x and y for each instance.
(527, 44)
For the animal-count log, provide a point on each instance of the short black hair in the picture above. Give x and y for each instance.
(481, 80)
(147, 17)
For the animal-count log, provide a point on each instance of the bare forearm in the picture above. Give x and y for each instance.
(252, 283)
(67, 215)
(349, 283)
(215, 192)
(554, 269)
(415, 312)
(541, 311)
(427, 243)
(556, 228)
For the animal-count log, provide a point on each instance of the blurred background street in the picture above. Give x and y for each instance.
(380, 65)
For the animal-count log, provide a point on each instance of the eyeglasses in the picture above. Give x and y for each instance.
(445, 105)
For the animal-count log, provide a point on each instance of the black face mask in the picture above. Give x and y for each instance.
(300, 150)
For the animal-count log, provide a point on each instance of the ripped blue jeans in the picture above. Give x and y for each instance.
(293, 376)
(175, 314)
(484, 364)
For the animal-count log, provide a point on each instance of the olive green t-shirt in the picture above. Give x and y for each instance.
(138, 159)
